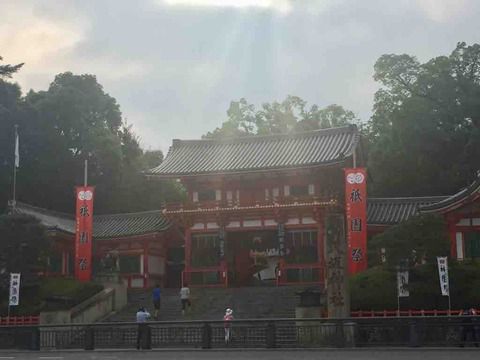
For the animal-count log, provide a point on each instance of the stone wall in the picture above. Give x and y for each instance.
(112, 298)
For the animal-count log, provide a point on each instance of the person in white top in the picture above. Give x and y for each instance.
(185, 297)
(142, 316)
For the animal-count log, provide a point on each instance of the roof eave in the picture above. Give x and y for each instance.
(250, 171)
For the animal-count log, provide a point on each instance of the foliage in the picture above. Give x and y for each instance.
(23, 249)
(425, 130)
(375, 289)
(422, 236)
(290, 115)
(6, 71)
(75, 120)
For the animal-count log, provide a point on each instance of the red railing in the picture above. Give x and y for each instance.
(394, 313)
(316, 272)
(19, 320)
(220, 273)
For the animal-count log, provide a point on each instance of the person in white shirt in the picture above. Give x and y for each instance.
(142, 317)
(185, 297)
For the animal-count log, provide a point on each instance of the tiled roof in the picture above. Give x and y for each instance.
(389, 211)
(50, 219)
(104, 226)
(121, 225)
(452, 202)
(258, 153)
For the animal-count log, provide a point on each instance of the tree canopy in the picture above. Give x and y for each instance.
(424, 135)
(6, 71)
(290, 115)
(72, 121)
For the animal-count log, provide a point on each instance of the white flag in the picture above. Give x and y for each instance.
(17, 153)
(402, 284)
(443, 275)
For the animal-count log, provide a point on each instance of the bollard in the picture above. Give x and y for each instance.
(207, 336)
(89, 338)
(35, 338)
(349, 334)
(147, 337)
(271, 335)
(414, 340)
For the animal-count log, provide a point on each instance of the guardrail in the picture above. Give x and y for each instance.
(261, 333)
(394, 313)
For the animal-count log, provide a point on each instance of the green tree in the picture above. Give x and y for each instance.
(289, 116)
(421, 237)
(23, 249)
(6, 71)
(424, 135)
(75, 120)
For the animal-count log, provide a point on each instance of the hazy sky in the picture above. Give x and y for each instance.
(175, 65)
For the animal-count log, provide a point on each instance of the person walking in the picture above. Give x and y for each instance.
(227, 319)
(156, 296)
(185, 297)
(141, 317)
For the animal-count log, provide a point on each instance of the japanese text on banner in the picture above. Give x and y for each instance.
(356, 218)
(83, 233)
(443, 275)
(14, 295)
(402, 284)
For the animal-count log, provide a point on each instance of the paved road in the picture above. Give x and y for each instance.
(363, 354)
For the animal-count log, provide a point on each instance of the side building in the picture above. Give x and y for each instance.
(143, 247)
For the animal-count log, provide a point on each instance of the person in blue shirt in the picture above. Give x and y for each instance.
(156, 300)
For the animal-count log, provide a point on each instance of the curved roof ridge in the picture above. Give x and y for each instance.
(258, 153)
(456, 199)
(409, 198)
(45, 211)
(248, 138)
(129, 214)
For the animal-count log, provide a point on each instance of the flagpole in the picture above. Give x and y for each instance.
(15, 163)
(449, 304)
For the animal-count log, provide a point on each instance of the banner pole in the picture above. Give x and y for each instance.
(398, 305)
(85, 174)
(14, 191)
(449, 303)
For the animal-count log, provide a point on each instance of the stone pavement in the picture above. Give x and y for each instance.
(357, 354)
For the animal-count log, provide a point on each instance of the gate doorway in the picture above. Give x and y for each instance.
(252, 257)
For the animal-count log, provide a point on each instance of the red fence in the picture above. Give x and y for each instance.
(20, 320)
(393, 313)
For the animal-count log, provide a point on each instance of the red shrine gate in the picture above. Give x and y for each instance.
(256, 206)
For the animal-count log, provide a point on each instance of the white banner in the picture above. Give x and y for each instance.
(14, 298)
(402, 284)
(443, 275)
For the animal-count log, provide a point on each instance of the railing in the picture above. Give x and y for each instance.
(215, 276)
(300, 274)
(264, 333)
(20, 320)
(404, 313)
(280, 200)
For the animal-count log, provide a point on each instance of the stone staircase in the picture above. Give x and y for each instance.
(210, 304)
